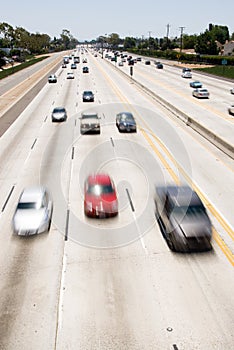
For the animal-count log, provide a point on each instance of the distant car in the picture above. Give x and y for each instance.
(84, 60)
(33, 212)
(159, 65)
(90, 123)
(186, 74)
(100, 198)
(183, 219)
(126, 122)
(232, 91)
(186, 69)
(52, 78)
(131, 62)
(195, 84)
(64, 65)
(147, 62)
(70, 75)
(201, 93)
(59, 114)
(85, 69)
(231, 109)
(139, 59)
(73, 66)
(88, 96)
(113, 58)
(121, 64)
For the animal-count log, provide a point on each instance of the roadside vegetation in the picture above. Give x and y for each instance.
(11, 70)
(222, 71)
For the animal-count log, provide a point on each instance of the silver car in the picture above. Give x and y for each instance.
(201, 93)
(183, 219)
(33, 213)
(232, 91)
(89, 123)
(59, 114)
(52, 78)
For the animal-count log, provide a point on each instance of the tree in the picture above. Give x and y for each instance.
(189, 41)
(114, 40)
(129, 43)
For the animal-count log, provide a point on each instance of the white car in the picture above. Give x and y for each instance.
(70, 75)
(52, 78)
(59, 114)
(232, 91)
(186, 74)
(33, 212)
(201, 93)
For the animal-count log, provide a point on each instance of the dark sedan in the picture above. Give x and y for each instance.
(126, 122)
(88, 96)
(85, 69)
(183, 219)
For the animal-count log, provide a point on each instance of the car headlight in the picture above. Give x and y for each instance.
(89, 206)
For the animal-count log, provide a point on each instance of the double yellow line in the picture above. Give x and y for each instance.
(146, 131)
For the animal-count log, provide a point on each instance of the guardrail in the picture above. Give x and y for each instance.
(216, 140)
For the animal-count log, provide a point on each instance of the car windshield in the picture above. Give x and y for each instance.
(59, 110)
(29, 205)
(193, 210)
(89, 116)
(88, 93)
(97, 190)
(127, 118)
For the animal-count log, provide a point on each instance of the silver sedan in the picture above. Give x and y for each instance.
(33, 212)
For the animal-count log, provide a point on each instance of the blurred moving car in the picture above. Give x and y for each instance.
(186, 69)
(231, 110)
(59, 114)
(90, 123)
(73, 66)
(88, 96)
(195, 84)
(126, 122)
(183, 219)
(34, 211)
(186, 74)
(85, 69)
(159, 65)
(147, 62)
(64, 65)
(100, 198)
(84, 60)
(201, 93)
(70, 75)
(121, 64)
(232, 91)
(52, 78)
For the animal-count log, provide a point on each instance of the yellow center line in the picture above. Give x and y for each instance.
(225, 249)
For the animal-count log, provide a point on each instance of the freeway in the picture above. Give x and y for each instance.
(114, 283)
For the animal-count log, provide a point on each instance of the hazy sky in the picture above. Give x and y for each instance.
(87, 20)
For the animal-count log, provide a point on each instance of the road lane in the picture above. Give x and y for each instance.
(135, 296)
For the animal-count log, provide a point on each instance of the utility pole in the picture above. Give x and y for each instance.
(181, 37)
(167, 36)
(149, 39)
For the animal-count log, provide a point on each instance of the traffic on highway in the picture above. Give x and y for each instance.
(116, 221)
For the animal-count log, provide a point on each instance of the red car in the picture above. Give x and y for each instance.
(100, 199)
